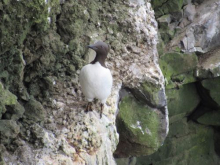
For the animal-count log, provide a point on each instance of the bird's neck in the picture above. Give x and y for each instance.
(100, 58)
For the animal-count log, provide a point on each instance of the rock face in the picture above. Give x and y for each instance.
(192, 144)
(189, 59)
(43, 48)
(142, 128)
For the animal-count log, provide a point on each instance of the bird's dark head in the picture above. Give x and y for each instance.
(100, 48)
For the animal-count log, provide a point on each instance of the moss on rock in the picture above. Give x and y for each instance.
(166, 6)
(1, 160)
(139, 119)
(182, 101)
(18, 18)
(194, 146)
(6, 98)
(151, 94)
(34, 111)
(139, 128)
(125, 161)
(8, 130)
(17, 111)
(210, 118)
(213, 88)
(178, 68)
(155, 94)
(12, 69)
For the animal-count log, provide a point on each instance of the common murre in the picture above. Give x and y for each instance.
(95, 79)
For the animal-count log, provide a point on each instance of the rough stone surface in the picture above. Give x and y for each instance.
(126, 161)
(199, 32)
(189, 59)
(187, 143)
(143, 129)
(178, 68)
(210, 118)
(191, 32)
(212, 86)
(182, 101)
(209, 64)
(34, 111)
(6, 99)
(163, 7)
(43, 48)
(8, 130)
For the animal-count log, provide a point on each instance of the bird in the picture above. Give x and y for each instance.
(95, 78)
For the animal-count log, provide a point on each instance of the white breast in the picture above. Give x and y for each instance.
(96, 82)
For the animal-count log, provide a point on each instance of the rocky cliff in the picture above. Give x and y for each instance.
(164, 56)
(190, 62)
(43, 48)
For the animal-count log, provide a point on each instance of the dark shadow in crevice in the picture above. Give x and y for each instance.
(207, 104)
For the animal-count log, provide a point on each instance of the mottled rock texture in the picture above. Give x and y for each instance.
(189, 59)
(143, 124)
(42, 49)
(193, 144)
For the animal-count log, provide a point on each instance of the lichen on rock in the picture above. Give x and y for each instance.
(191, 144)
(187, 98)
(43, 48)
(178, 68)
(140, 128)
(6, 99)
(189, 59)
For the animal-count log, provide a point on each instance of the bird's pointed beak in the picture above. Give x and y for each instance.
(92, 47)
(89, 46)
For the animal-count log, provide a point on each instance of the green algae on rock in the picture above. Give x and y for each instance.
(178, 68)
(139, 127)
(34, 111)
(213, 88)
(155, 94)
(193, 146)
(126, 161)
(42, 49)
(18, 18)
(210, 118)
(167, 6)
(182, 101)
(9, 130)
(6, 99)
(151, 93)
(190, 66)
